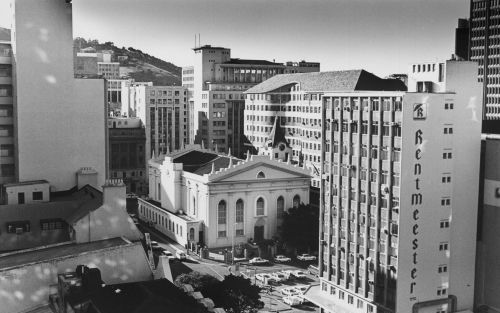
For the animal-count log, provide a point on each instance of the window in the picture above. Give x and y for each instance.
(37, 195)
(446, 178)
(280, 206)
(448, 106)
(221, 233)
(239, 211)
(52, 224)
(445, 201)
(350, 299)
(191, 234)
(261, 175)
(260, 206)
(360, 304)
(447, 155)
(448, 130)
(296, 201)
(443, 268)
(442, 291)
(341, 295)
(444, 224)
(221, 213)
(443, 246)
(332, 290)
(18, 227)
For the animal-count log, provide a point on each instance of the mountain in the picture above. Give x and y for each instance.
(139, 65)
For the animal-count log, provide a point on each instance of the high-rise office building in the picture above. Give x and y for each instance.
(396, 194)
(296, 100)
(164, 112)
(484, 40)
(218, 82)
(59, 122)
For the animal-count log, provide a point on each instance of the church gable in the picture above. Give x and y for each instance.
(262, 171)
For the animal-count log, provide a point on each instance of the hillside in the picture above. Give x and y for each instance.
(139, 65)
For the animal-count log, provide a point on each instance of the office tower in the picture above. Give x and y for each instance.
(164, 112)
(218, 101)
(484, 39)
(462, 39)
(398, 199)
(127, 160)
(59, 121)
(296, 100)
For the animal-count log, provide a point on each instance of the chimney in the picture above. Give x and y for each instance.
(115, 194)
(86, 176)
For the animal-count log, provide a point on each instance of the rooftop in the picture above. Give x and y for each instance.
(55, 252)
(27, 183)
(352, 80)
(209, 47)
(252, 62)
(156, 296)
(200, 162)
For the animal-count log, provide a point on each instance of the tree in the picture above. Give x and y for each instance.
(200, 282)
(237, 295)
(300, 228)
(234, 294)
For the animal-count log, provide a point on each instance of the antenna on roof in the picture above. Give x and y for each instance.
(195, 41)
(199, 40)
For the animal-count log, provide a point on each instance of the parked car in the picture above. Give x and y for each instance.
(288, 274)
(313, 270)
(265, 278)
(155, 246)
(180, 255)
(169, 254)
(281, 259)
(289, 291)
(301, 288)
(299, 274)
(306, 257)
(279, 277)
(258, 261)
(293, 300)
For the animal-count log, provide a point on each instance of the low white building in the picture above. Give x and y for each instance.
(197, 195)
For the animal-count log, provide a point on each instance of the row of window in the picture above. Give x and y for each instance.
(167, 93)
(19, 227)
(161, 220)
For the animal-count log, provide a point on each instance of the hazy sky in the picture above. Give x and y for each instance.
(381, 36)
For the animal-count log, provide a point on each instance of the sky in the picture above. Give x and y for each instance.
(380, 36)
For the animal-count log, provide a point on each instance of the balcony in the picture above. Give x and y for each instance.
(396, 166)
(5, 59)
(398, 116)
(397, 142)
(6, 100)
(6, 120)
(5, 80)
(387, 116)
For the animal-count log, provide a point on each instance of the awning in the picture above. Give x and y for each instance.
(326, 301)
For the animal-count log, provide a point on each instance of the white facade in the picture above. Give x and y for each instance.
(242, 200)
(60, 121)
(405, 240)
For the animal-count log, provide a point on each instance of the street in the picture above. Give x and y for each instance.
(272, 298)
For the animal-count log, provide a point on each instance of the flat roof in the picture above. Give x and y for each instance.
(27, 183)
(209, 47)
(25, 257)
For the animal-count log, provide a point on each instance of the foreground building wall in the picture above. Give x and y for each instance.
(50, 105)
(27, 286)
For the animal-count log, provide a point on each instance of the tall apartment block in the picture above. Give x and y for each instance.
(484, 41)
(188, 83)
(398, 202)
(296, 100)
(218, 101)
(58, 124)
(127, 143)
(164, 112)
(7, 151)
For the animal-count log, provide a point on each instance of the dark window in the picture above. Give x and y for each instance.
(37, 195)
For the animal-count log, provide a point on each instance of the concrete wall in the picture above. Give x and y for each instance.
(51, 105)
(28, 286)
(13, 192)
